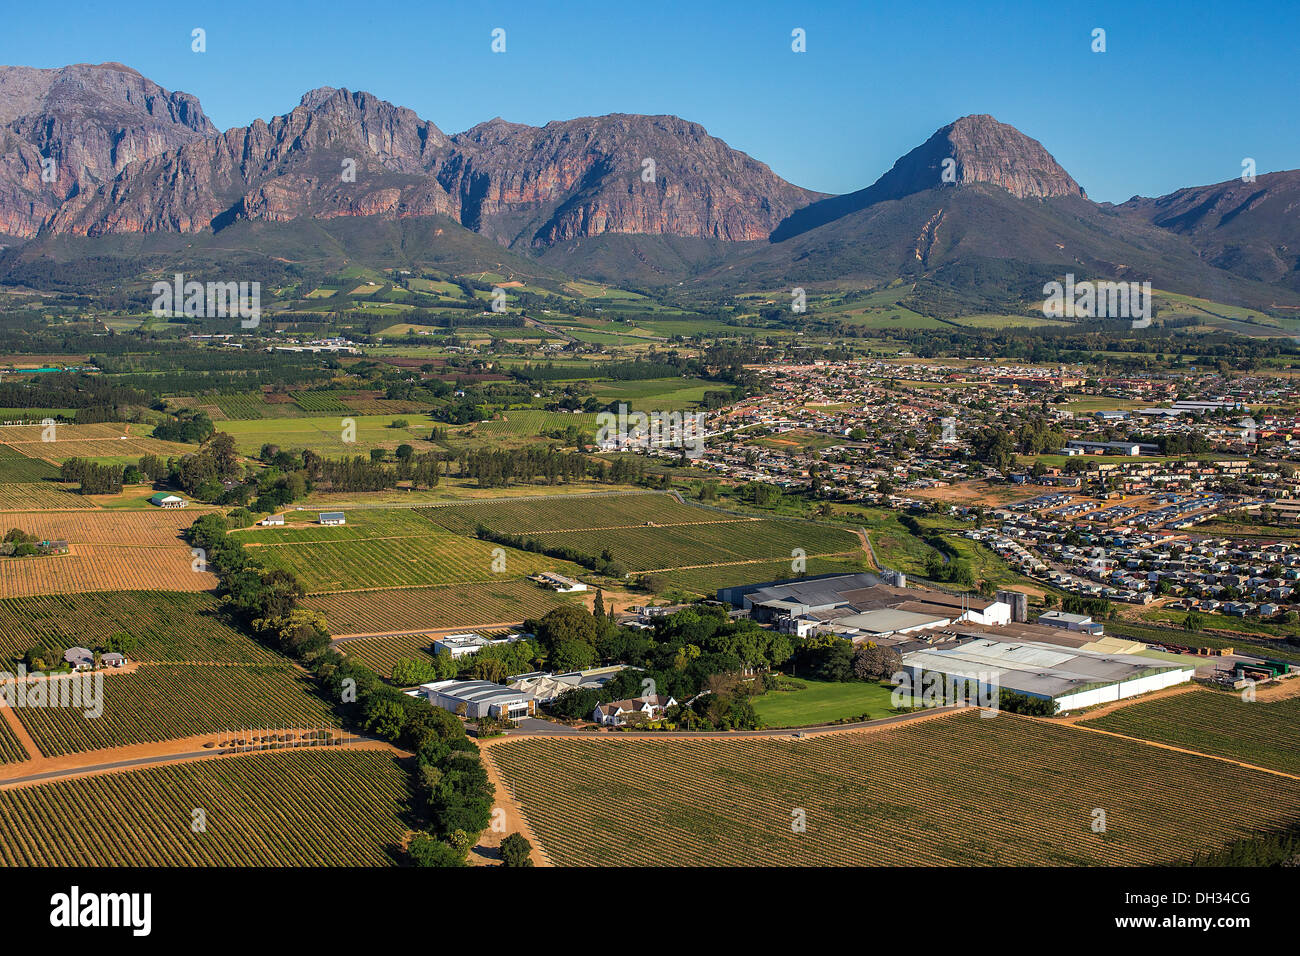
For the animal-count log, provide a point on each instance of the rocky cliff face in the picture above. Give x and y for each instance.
(984, 151)
(974, 149)
(350, 154)
(617, 174)
(337, 153)
(93, 122)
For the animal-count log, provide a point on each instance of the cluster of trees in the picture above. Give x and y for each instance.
(189, 426)
(204, 473)
(832, 658)
(451, 784)
(18, 543)
(699, 656)
(944, 562)
(1097, 608)
(1014, 703)
(497, 469)
(92, 478)
(1278, 848)
(603, 563)
(358, 474)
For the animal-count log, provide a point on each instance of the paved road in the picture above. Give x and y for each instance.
(533, 727)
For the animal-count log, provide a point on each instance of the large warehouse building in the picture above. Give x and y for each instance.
(1072, 677)
(845, 603)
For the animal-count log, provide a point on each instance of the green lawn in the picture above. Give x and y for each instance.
(823, 702)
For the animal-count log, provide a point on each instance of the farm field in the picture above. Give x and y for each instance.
(283, 808)
(104, 568)
(949, 790)
(17, 467)
(41, 495)
(526, 422)
(409, 609)
(11, 748)
(155, 528)
(164, 701)
(104, 440)
(650, 531)
(433, 559)
(570, 513)
(657, 394)
(1262, 733)
(707, 581)
(823, 702)
(718, 542)
(324, 434)
(169, 627)
(302, 527)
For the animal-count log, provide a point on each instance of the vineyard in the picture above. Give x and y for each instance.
(524, 423)
(409, 609)
(156, 528)
(365, 405)
(16, 467)
(315, 402)
(399, 562)
(169, 627)
(289, 808)
(1214, 722)
(103, 568)
(708, 580)
(251, 407)
(569, 513)
(11, 749)
(165, 701)
(42, 495)
(381, 653)
(104, 440)
(301, 527)
(648, 531)
(953, 790)
(676, 546)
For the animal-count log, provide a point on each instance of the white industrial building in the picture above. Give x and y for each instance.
(457, 646)
(475, 699)
(1072, 677)
(559, 583)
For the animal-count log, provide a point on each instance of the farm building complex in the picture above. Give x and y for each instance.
(1064, 658)
(1072, 678)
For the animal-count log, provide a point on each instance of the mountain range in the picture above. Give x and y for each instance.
(99, 161)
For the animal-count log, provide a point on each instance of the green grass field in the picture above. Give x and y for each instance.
(823, 702)
(324, 434)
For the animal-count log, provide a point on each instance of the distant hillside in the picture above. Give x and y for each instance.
(1249, 229)
(979, 216)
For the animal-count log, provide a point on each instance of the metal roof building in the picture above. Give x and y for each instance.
(1072, 677)
(479, 698)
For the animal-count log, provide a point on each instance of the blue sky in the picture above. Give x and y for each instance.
(1184, 91)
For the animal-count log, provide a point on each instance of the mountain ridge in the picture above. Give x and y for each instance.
(655, 197)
